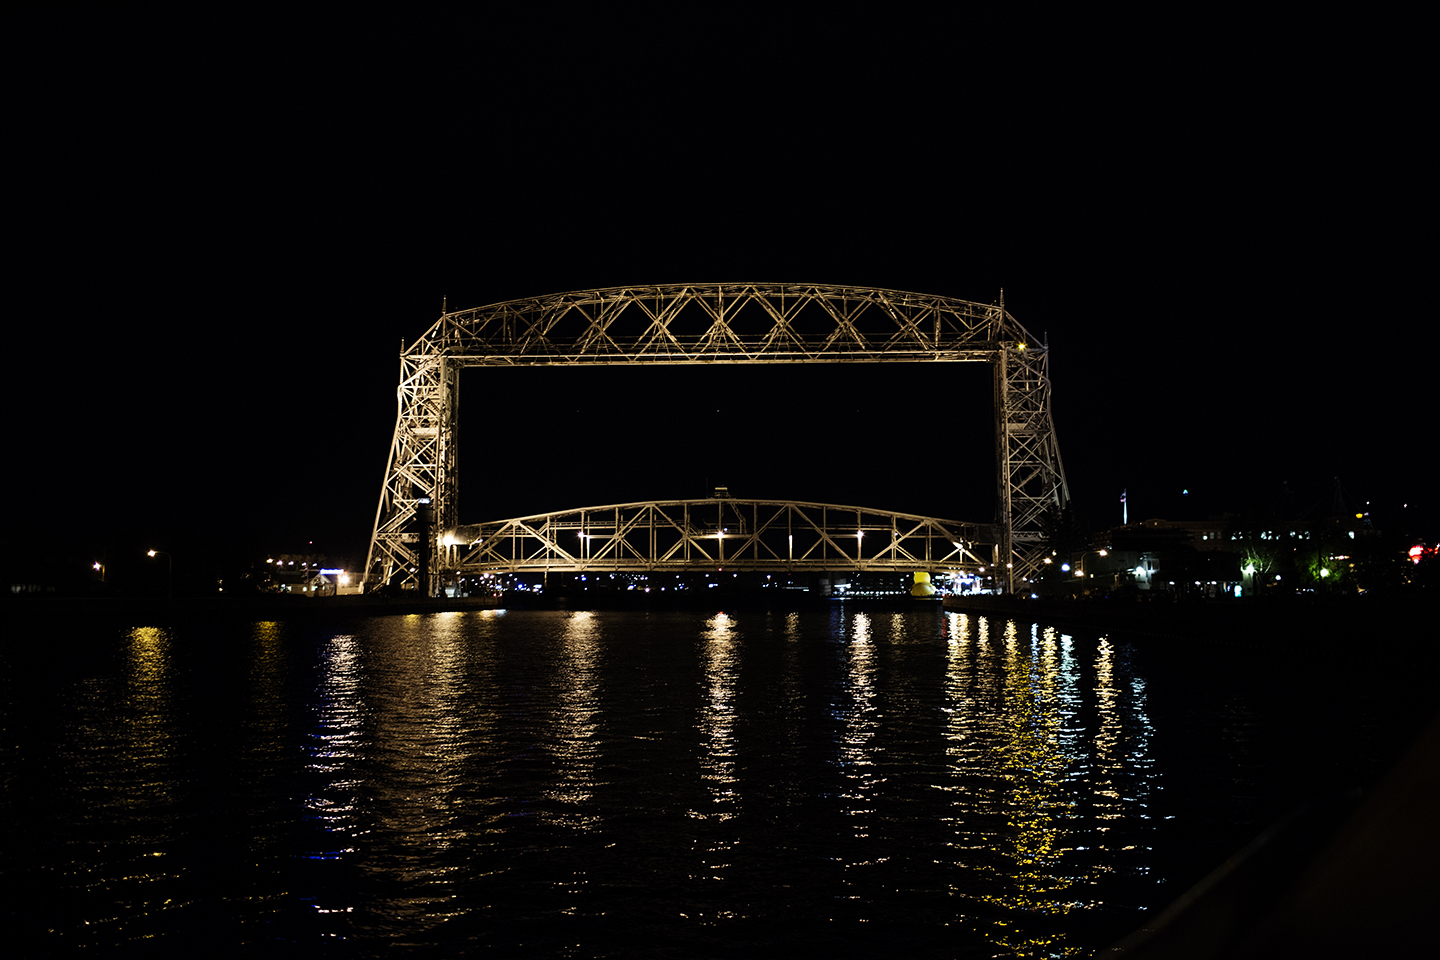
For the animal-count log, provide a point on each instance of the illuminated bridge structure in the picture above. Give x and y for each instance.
(417, 526)
(720, 533)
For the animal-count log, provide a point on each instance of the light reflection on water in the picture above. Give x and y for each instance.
(1020, 769)
(1033, 762)
(577, 721)
(857, 762)
(717, 718)
(147, 736)
(937, 783)
(1122, 742)
(131, 776)
(119, 745)
(336, 742)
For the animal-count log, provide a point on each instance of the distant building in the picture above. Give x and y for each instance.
(312, 575)
(1210, 558)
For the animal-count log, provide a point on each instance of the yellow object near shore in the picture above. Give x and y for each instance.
(922, 586)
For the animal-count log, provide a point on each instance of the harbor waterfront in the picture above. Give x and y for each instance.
(340, 780)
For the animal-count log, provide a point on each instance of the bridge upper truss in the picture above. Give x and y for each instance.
(712, 323)
(716, 534)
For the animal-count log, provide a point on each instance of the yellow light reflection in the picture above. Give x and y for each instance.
(578, 725)
(424, 741)
(1034, 765)
(268, 713)
(1006, 726)
(124, 754)
(957, 691)
(147, 743)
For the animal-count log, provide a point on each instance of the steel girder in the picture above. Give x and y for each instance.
(716, 533)
(1030, 479)
(712, 323)
(421, 469)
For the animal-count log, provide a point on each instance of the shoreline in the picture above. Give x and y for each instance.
(1281, 623)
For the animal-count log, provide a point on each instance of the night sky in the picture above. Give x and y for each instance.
(225, 227)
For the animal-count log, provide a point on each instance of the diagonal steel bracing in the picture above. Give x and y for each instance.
(709, 323)
(723, 533)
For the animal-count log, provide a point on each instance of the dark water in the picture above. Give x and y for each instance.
(652, 785)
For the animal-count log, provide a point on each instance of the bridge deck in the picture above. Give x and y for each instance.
(716, 533)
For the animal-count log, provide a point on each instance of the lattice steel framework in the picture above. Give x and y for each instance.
(712, 323)
(716, 533)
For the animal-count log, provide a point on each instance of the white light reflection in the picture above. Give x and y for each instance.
(860, 720)
(716, 724)
(717, 721)
(1121, 783)
(577, 722)
(334, 744)
(857, 760)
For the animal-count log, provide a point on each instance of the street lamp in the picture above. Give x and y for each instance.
(1079, 567)
(169, 571)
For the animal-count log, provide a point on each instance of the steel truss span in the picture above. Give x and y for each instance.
(717, 533)
(710, 323)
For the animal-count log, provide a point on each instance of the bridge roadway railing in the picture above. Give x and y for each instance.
(718, 533)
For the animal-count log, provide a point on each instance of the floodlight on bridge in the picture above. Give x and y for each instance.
(704, 324)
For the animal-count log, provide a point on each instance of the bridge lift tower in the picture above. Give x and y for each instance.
(711, 323)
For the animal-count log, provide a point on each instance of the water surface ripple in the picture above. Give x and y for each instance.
(595, 784)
